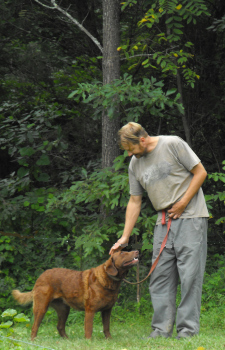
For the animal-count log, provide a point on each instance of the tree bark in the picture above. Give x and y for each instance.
(111, 71)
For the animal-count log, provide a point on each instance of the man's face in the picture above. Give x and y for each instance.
(137, 150)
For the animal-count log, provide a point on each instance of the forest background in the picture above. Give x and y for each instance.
(71, 75)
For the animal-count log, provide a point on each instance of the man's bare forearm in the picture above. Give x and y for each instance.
(132, 214)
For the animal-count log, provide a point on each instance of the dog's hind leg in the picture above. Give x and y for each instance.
(63, 311)
(40, 306)
(106, 322)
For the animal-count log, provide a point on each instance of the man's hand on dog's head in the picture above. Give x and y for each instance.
(117, 247)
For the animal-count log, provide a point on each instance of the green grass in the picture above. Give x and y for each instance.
(127, 328)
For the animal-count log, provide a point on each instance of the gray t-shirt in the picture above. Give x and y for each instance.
(165, 174)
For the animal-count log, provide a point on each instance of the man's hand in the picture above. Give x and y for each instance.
(119, 245)
(176, 210)
(199, 175)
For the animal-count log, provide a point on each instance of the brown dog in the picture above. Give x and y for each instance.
(90, 291)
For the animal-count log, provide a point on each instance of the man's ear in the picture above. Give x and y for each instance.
(142, 141)
(110, 268)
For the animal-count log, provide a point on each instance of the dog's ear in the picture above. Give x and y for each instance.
(110, 268)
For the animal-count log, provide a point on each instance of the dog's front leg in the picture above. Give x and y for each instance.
(106, 322)
(88, 323)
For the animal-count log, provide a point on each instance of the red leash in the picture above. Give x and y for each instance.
(163, 221)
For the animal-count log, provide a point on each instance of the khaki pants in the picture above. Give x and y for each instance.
(183, 257)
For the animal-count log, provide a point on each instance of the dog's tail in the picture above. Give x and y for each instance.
(22, 298)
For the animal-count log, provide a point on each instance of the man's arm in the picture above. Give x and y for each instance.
(132, 213)
(200, 174)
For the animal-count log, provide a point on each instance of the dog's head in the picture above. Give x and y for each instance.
(120, 262)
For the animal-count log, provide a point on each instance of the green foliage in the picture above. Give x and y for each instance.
(135, 100)
(170, 16)
(32, 137)
(213, 294)
(218, 25)
(93, 209)
(7, 283)
(214, 199)
(11, 317)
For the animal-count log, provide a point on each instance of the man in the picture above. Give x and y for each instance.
(172, 175)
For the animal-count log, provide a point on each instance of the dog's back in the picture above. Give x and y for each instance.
(70, 285)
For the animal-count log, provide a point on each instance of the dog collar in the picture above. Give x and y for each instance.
(113, 277)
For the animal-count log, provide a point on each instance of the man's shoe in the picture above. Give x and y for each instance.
(156, 333)
(182, 335)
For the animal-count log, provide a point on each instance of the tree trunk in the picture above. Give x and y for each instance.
(111, 71)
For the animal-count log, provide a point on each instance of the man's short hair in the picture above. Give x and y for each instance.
(131, 133)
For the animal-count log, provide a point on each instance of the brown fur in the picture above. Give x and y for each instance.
(90, 291)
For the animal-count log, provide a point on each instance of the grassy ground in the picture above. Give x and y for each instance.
(127, 328)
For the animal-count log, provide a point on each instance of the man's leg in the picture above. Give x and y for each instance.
(191, 259)
(163, 285)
